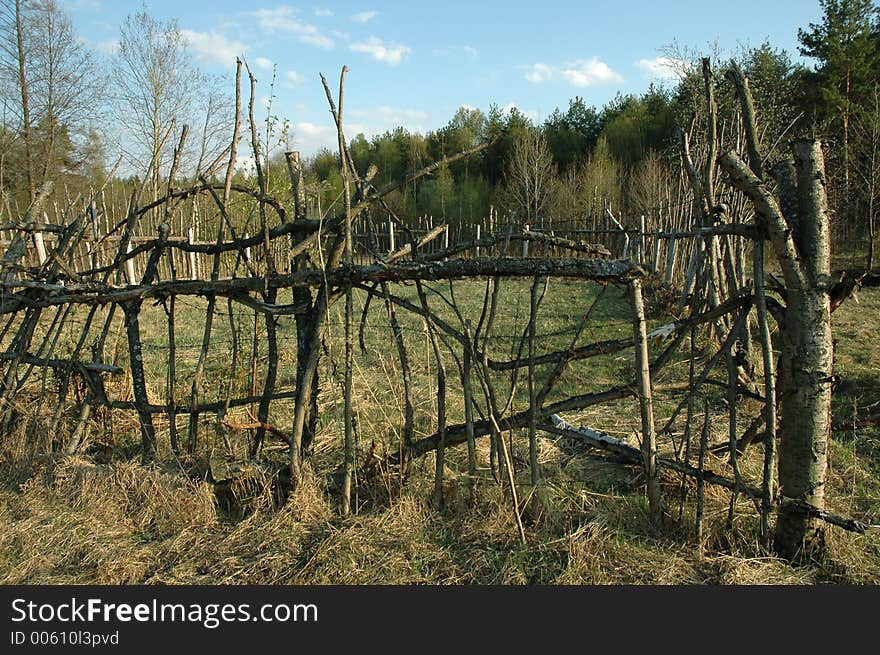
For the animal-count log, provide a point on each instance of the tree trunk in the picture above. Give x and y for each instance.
(801, 241)
(25, 103)
(806, 366)
(643, 369)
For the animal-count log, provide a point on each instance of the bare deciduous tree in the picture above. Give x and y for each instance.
(531, 174)
(50, 85)
(155, 81)
(15, 55)
(66, 84)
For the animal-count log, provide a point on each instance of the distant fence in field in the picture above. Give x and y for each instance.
(668, 251)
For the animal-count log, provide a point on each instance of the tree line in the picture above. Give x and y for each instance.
(59, 98)
(71, 116)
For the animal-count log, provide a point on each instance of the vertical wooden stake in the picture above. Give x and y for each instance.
(138, 380)
(701, 463)
(655, 258)
(649, 446)
(193, 271)
(129, 267)
(170, 381)
(533, 405)
(767, 488)
(640, 244)
(671, 253)
(40, 246)
(469, 411)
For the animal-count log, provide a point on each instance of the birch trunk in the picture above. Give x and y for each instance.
(799, 234)
(806, 367)
(649, 447)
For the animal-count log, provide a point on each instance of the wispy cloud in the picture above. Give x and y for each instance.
(662, 68)
(109, 47)
(364, 16)
(455, 51)
(580, 73)
(309, 138)
(321, 12)
(532, 114)
(213, 47)
(389, 53)
(386, 114)
(262, 62)
(292, 78)
(83, 5)
(286, 19)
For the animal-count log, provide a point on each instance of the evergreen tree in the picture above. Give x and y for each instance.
(845, 46)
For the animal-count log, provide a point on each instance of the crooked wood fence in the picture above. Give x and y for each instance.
(83, 281)
(92, 274)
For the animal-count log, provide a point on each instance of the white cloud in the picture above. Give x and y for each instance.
(321, 12)
(83, 5)
(308, 138)
(388, 117)
(292, 78)
(662, 68)
(581, 73)
(454, 51)
(265, 64)
(285, 19)
(539, 73)
(390, 53)
(531, 114)
(364, 16)
(109, 47)
(212, 47)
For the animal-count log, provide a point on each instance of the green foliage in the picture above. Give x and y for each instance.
(779, 88)
(846, 46)
(633, 126)
(572, 135)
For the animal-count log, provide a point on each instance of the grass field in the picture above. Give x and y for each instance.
(105, 518)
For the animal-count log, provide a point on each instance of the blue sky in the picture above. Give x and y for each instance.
(414, 63)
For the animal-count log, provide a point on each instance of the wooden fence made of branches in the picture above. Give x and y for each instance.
(93, 271)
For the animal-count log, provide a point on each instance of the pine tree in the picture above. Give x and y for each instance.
(846, 45)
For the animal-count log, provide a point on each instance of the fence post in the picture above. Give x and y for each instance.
(478, 240)
(93, 214)
(391, 236)
(655, 259)
(40, 246)
(646, 405)
(193, 273)
(640, 244)
(129, 266)
(671, 253)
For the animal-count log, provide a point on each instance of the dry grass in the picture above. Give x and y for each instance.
(105, 518)
(74, 522)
